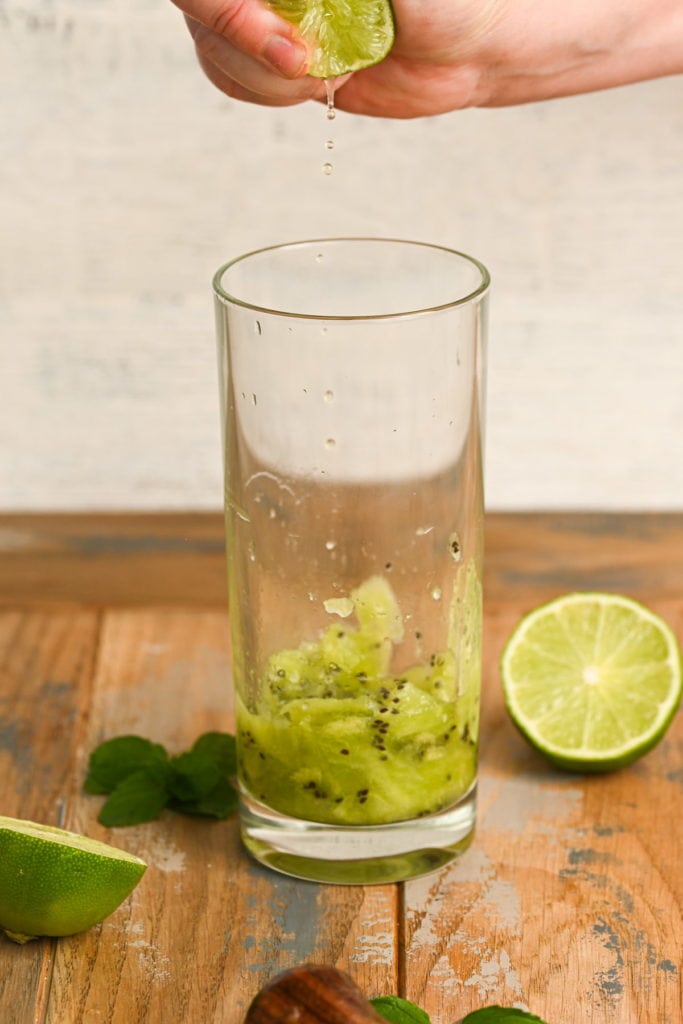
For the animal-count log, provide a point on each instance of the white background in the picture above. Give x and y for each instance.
(125, 179)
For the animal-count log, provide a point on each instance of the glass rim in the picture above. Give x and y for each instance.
(226, 296)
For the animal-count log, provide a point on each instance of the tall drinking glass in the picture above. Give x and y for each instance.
(351, 381)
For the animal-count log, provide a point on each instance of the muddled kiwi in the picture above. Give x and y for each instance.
(337, 737)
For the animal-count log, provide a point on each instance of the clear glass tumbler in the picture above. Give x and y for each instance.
(351, 381)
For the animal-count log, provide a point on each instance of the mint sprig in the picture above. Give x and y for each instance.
(402, 1011)
(141, 779)
(399, 1011)
(500, 1015)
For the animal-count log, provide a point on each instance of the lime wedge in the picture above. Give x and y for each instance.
(592, 680)
(343, 35)
(54, 882)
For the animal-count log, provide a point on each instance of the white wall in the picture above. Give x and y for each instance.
(125, 179)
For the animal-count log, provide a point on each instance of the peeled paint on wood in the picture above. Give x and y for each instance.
(568, 902)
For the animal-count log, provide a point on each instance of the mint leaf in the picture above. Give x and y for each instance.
(220, 802)
(220, 748)
(192, 775)
(139, 797)
(114, 760)
(200, 780)
(500, 1015)
(142, 779)
(399, 1011)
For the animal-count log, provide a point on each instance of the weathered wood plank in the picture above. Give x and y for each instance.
(142, 559)
(207, 926)
(570, 901)
(45, 667)
(532, 557)
(113, 559)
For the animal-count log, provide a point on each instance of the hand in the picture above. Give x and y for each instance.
(448, 54)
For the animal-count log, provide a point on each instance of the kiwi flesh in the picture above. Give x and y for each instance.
(335, 736)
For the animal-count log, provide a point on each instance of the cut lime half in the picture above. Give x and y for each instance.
(54, 882)
(343, 35)
(592, 680)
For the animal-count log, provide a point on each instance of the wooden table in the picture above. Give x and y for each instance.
(568, 903)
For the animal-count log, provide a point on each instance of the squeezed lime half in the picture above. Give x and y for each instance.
(343, 35)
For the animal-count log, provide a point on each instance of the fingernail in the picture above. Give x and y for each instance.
(288, 57)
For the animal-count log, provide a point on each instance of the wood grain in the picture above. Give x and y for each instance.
(171, 558)
(164, 674)
(46, 664)
(569, 902)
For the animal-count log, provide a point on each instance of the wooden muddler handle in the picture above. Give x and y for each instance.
(312, 994)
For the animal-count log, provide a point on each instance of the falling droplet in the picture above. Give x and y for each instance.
(319, 257)
(328, 396)
(327, 168)
(329, 144)
(330, 545)
(330, 443)
(436, 593)
(330, 113)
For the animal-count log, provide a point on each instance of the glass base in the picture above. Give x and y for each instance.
(357, 854)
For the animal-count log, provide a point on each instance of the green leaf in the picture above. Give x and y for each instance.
(139, 797)
(220, 748)
(399, 1011)
(142, 779)
(500, 1015)
(220, 802)
(205, 769)
(115, 759)
(192, 775)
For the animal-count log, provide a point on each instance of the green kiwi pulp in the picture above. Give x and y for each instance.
(337, 737)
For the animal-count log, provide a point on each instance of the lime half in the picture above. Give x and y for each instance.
(343, 35)
(54, 882)
(592, 680)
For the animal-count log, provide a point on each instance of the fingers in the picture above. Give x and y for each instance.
(252, 28)
(253, 79)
